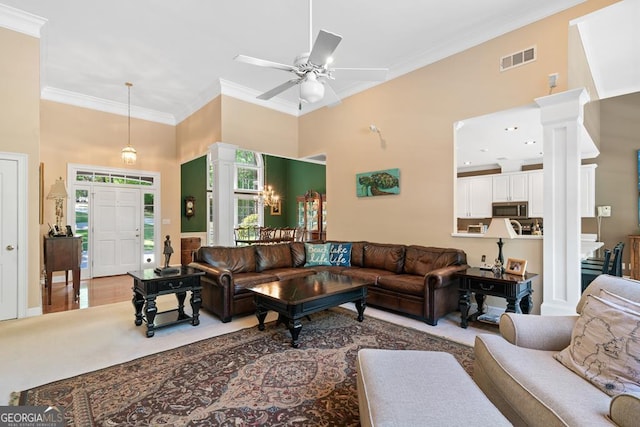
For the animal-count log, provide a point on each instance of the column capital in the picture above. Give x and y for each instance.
(563, 106)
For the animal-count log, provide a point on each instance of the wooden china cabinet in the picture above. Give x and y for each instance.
(312, 215)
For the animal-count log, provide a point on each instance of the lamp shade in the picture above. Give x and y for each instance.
(501, 228)
(58, 190)
(311, 90)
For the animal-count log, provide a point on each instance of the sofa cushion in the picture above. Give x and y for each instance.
(421, 260)
(605, 347)
(532, 388)
(316, 254)
(403, 283)
(291, 273)
(273, 256)
(612, 284)
(242, 281)
(357, 254)
(298, 255)
(384, 257)
(368, 274)
(240, 259)
(340, 254)
(617, 299)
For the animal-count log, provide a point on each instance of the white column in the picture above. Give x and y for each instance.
(562, 121)
(223, 157)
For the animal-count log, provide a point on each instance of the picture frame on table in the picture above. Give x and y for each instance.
(516, 266)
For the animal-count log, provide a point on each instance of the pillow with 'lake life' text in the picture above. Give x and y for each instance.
(317, 254)
(340, 254)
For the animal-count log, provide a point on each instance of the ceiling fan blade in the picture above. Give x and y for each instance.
(363, 74)
(263, 63)
(323, 47)
(331, 98)
(278, 89)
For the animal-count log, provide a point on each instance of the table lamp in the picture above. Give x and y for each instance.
(500, 228)
(58, 193)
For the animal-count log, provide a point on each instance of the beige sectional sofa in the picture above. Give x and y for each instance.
(519, 374)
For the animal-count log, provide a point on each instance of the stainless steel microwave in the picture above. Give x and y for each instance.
(512, 210)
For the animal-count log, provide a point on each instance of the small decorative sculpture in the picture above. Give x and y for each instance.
(497, 268)
(167, 251)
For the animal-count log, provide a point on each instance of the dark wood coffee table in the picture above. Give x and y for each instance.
(296, 298)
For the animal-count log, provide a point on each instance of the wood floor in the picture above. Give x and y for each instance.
(93, 292)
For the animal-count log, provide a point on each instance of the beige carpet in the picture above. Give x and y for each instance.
(42, 349)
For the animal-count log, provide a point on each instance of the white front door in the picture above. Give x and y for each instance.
(8, 239)
(116, 230)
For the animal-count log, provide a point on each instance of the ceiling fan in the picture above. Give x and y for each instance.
(311, 69)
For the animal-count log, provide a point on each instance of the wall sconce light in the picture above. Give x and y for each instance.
(373, 128)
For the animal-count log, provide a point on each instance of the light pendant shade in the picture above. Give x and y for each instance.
(311, 90)
(129, 154)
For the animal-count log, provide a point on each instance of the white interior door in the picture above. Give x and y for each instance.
(116, 230)
(8, 239)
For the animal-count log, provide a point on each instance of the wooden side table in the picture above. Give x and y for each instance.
(62, 254)
(515, 289)
(147, 285)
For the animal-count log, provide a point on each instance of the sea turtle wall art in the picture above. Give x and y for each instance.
(378, 183)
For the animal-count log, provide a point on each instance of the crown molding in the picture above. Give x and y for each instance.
(200, 101)
(94, 103)
(21, 21)
(246, 94)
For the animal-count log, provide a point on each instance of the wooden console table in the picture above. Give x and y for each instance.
(62, 254)
(515, 289)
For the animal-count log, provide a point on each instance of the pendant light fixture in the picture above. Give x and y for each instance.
(129, 154)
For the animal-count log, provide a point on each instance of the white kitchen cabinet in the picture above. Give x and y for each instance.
(511, 187)
(536, 193)
(587, 192)
(474, 197)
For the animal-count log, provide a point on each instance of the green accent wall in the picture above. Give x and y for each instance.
(193, 182)
(290, 179)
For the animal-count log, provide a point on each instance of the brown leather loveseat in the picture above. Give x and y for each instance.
(417, 281)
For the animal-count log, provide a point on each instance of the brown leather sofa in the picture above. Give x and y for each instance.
(417, 281)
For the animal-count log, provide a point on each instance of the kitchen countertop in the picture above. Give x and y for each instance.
(588, 243)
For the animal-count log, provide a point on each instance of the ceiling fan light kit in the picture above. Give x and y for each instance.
(311, 90)
(311, 69)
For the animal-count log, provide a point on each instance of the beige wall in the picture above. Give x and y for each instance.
(20, 131)
(257, 128)
(197, 132)
(617, 171)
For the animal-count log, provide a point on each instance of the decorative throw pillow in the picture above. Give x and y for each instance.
(605, 347)
(621, 301)
(340, 254)
(317, 254)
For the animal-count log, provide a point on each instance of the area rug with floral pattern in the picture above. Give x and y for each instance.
(245, 378)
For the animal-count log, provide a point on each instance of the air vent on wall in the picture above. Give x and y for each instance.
(518, 58)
